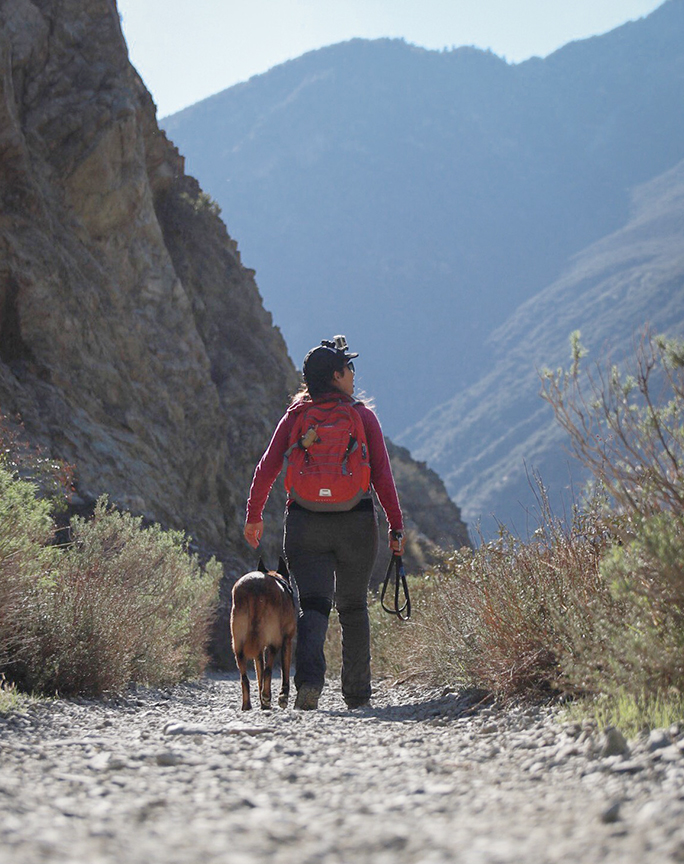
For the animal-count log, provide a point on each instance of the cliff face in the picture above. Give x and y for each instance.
(132, 341)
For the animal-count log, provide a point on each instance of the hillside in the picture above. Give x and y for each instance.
(415, 199)
(133, 342)
(479, 440)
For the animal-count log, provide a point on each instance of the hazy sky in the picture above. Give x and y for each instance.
(186, 50)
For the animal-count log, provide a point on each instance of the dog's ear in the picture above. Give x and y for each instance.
(260, 566)
(282, 568)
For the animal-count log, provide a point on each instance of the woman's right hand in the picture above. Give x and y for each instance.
(254, 531)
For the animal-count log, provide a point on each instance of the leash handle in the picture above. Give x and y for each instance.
(401, 610)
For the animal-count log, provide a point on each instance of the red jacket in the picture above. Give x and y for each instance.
(271, 463)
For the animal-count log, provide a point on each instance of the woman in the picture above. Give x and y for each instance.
(330, 553)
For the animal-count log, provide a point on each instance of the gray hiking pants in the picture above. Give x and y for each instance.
(331, 556)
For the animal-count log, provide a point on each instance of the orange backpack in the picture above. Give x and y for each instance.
(328, 468)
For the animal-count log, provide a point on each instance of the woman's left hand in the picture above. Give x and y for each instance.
(397, 542)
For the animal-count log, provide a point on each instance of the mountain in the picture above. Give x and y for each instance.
(133, 342)
(482, 440)
(415, 199)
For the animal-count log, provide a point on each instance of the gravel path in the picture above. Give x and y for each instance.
(422, 776)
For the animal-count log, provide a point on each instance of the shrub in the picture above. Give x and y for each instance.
(121, 603)
(647, 643)
(595, 608)
(510, 616)
(202, 203)
(124, 603)
(627, 428)
(25, 530)
(52, 478)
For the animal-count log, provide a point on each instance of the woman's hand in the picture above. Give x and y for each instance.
(254, 531)
(397, 542)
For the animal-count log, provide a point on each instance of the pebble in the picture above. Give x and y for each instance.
(421, 777)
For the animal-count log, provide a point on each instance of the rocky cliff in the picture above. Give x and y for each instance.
(133, 343)
(124, 309)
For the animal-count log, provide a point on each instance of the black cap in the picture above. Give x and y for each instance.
(325, 359)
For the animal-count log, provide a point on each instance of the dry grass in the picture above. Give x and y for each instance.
(509, 616)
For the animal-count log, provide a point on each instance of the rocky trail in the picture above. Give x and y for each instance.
(422, 776)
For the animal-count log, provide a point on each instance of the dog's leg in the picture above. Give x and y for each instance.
(269, 657)
(259, 666)
(244, 680)
(285, 662)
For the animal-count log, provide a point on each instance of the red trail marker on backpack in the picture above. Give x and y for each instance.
(328, 468)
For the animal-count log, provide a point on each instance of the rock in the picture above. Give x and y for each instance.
(611, 813)
(168, 759)
(672, 753)
(185, 729)
(614, 743)
(658, 738)
(627, 767)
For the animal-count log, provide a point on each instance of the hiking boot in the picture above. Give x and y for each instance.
(307, 698)
(362, 702)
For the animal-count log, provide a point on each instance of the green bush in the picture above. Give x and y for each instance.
(25, 558)
(121, 603)
(594, 609)
(125, 603)
(628, 429)
(646, 577)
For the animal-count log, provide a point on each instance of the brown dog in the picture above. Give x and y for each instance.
(262, 622)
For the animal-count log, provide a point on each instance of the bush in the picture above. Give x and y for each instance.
(25, 530)
(627, 428)
(593, 609)
(121, 603)
(511, 616)
(647, 643)
(125, 603)
(52, 478)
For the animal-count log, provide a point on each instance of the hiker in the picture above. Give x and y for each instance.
(331, 528)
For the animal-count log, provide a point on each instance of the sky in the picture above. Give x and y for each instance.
(186, 50)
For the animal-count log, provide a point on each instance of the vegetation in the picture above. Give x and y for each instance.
(202, 203)
(120, 602)
(594, 608)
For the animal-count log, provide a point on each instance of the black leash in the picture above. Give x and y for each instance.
(403, 612)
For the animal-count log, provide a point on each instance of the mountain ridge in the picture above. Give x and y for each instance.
(367, 174)
(619, 285)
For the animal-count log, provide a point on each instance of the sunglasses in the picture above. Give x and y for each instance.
(350, 366)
